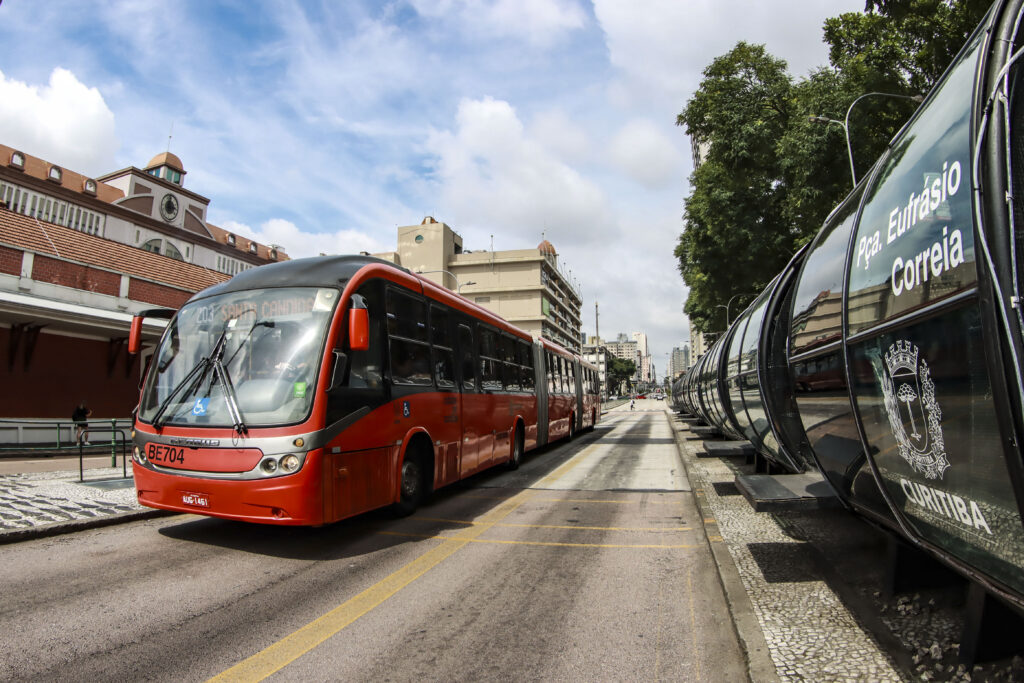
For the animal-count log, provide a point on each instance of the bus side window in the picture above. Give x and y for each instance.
(407, 339)
(364, 367)
(466, 358)
(525, 359)
(510, 369)
(441, 340)
(490, 366)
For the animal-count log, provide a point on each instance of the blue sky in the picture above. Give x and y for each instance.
(321, 126)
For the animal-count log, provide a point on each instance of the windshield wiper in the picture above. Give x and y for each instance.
(230, 397)
(193, 379)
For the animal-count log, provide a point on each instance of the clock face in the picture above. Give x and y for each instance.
(169, 207)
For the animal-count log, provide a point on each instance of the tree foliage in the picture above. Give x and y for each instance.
(619, 371)
(770, 175)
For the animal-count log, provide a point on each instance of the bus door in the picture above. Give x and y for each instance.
(447, 432)
(540, 379)
(470, 410)
(489, 399)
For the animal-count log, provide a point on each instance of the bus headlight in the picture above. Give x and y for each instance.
(290, 463)
(138, 456)
(269, 465)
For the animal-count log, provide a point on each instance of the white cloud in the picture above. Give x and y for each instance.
(662, 46)
(646, 154)
(540, 22)
(491, 173)
(555, 131)
(63, 121)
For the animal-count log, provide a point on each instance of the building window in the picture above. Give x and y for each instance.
(172, 251)
(89, 186)
(252, 247)
(230, 239)
(18, 160)
(273, 254)
(153, 246)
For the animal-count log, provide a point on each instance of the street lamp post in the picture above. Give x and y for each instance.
(726, 307)
(845, 123)
(458, 287)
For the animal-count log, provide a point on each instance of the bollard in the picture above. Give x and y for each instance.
(113, 440)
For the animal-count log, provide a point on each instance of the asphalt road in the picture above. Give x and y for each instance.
(588, 563)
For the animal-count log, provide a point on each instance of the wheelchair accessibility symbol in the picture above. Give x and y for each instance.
(200, 406)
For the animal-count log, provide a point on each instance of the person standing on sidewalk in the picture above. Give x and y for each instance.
(79, 417)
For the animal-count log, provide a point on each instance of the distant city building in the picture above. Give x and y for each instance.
(699, 149)
(645, 365)
(626, 349)
(79, 255)
(527, 287)
(678, 361)
(700, 343)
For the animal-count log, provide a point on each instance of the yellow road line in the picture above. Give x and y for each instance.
(541, 543)
(554, 526)
(291, 647)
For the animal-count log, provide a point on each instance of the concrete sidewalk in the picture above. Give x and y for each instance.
(39, 504)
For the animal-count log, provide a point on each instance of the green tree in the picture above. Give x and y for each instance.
(770, 176)
(619, 372)
(735, 232)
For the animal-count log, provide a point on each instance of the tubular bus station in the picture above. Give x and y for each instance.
(887, 356)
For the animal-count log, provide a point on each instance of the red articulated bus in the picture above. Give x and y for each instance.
(312, 390)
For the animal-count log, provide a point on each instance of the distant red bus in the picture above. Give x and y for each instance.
(312, 390)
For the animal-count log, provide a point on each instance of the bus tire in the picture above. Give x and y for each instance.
(412, 486)
(517, 449)
(572, 427)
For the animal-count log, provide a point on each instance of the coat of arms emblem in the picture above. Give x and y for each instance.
(914, 413)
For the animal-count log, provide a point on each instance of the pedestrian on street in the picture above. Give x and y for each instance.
(79, 417)
(632, 403)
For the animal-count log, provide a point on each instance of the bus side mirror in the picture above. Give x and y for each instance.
(135, 335)
(135, 332)
(358, 329)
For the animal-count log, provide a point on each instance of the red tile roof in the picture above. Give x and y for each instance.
(39, 168)
(27, 233)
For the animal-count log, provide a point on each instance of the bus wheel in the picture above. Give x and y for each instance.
(517, 450)
(412, 486)
(572, 427)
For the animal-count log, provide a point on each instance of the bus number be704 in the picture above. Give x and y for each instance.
(165, 454)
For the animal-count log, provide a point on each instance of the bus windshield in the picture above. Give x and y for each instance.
(240, 359)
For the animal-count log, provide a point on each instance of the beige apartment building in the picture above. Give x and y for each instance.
(524, 286)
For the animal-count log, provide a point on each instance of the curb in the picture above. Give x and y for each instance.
(59, 528)
(760, 666)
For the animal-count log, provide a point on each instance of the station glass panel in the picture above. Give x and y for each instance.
(733, 385)
(915, 240)
(827, 417)
(925, 401)
(763, 436)
(817, 304)
(778, 389)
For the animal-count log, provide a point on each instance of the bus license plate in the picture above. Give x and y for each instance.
(196, 499)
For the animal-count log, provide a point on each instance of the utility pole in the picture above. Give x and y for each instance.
(597, 326)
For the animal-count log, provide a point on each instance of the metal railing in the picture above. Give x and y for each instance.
(46, 437)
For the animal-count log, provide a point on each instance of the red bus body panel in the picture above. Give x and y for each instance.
(359, 469)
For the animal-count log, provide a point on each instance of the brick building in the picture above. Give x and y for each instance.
(80, 255)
